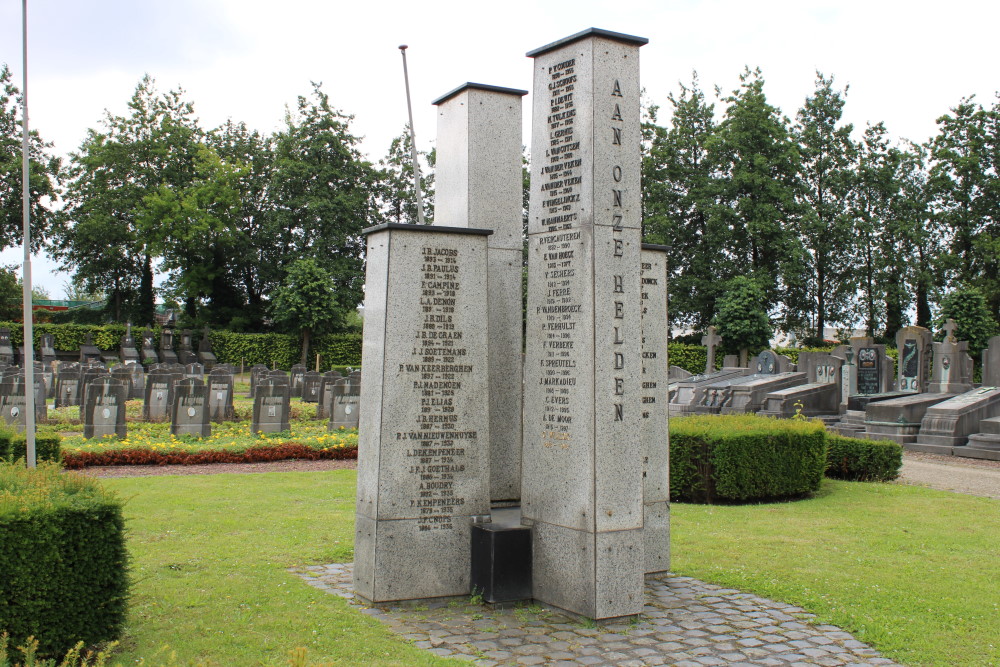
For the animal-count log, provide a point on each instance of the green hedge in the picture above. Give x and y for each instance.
(14, 446)
(740, 458)
(271, 349)
(63, 558)
(863, 460)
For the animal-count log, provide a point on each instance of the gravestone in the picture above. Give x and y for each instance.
(324, 407)
(67, 385)
(985, 444)
(295, 380)
(819, 396)
(6, 349)
(88, 375)
(345, 404)
(185, 353)
(311, 381)
(685, 394)
(205, 355)
(654, 432)
(104, 408)
(740, 394)
(991, 363)
(127, 352)
(220, 395)
(581, 495)
(478, 184)
(149, 355)
(914, 369)
(423, 458)
(89, 352)
(159, 394)
(731, 361)
(952, 371)
(13, 401)
(48, 349)
(677, 373)
(124, 375)
(277, 377)
(137, 387)
(189, 409)
(194, 371)
(257, 371)
(270, 408)
(167, 354)
(710, 340)
(946, 426)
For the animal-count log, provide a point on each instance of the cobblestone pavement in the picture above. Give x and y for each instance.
(685, 622)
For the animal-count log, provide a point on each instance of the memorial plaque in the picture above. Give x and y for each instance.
(423, 458)
(104, 408)
(13, 403)
(67, 385)
(189, 409)
(654, 432)
(869, 380)
(311, 381)
(914, 370)
(270, 408)
(582, 490)
(159, 394)
(220, 395)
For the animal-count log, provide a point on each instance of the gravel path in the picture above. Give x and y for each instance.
(970, 476)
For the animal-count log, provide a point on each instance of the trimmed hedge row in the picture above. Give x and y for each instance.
(63, 558)
(14, 446)
(739, 458)
(140, 456)
(863, 460)
(270, 349)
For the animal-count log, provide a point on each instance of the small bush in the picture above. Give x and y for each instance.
(63, 559)
(740, 458)
(863, 460)
(14, 446)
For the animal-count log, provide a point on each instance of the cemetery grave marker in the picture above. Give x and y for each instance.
(127, 352)
(167, 354)
(149, 355)
(185, 354)
(270, 408)
(104, 408)
(6, 349)
(710, 340)
(220, 395)
(311, 381)
(189, 409)
(914, 345)
(346, 394)
(89, 353)
(205, 355)
(159, 393)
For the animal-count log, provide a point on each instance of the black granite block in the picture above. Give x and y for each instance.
(501, 562)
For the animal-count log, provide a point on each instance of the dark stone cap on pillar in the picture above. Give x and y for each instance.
(479, 86)
(589, 32)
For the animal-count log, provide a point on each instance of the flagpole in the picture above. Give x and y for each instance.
(413, 140)
(29, 334)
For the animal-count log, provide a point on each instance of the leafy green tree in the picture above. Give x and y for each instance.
(306, 302)
(759, 165)
(679, 202)
(970, 310)
(323, 193)
(742, 319)
(826, 155)
(921, 236)
(44, 173)
(397, 195)
(11, 295)
(100, 236)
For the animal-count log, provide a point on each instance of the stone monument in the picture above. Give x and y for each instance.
(914, 368)
(189, 409)
(185, 353)
(270, 408)
(167, 354)
(710, 340)
(149, 347)
(205, 355)
(104, 408)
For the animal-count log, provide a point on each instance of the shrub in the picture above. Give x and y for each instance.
(63, 558)
(14, 446)
(744, 458)
(863, 460)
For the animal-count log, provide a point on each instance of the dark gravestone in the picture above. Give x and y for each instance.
(257, 371)
(67, 385)
(220, 395)
(149, 355)
(194, 371)
(88, 351)
(124, 375)
(325, 407)
(88, 375)
(914, 345)
(48, 348)
(159, 390)
(991, 363)
(869, 371)
(104, 408)
(346, 403)
(270, 408)
(167, 354)
(137, 381)
(13, 402)
(277, 377)
(298, 372)
(311, 381)
(127, 353)
(6, 350)
(205, 354)
(189, 409)
(185, 354)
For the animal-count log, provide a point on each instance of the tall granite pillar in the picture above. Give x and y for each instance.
(582, 490)
(654, 432)
(478, 185)
(423, 463)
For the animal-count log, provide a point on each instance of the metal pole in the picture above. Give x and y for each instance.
(29, 344)
(413, 140)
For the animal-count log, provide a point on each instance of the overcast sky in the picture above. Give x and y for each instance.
(906, 63)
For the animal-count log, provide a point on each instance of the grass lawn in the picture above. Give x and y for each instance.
(911, 570)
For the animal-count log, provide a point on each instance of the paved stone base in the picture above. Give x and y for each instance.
(685, 623)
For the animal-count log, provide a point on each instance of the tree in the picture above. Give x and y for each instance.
(742, 318)
(758, 165)
(826, 154)
(397, 195)
(100, 236)
(11, 294)
(678, 203)
(969, 308)
(306, 301)
(921, 237)
(44, 173)
(323, 194)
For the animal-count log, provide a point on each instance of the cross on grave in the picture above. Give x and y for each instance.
(710, 341)
(949, 331)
